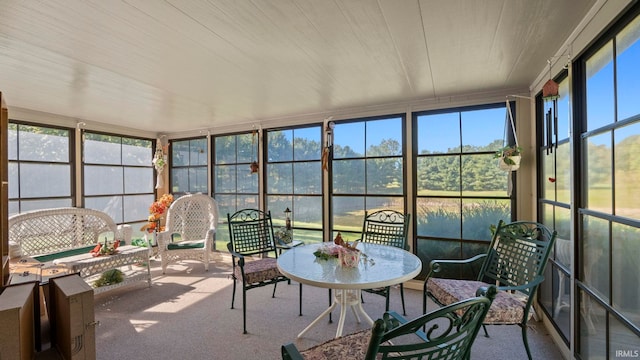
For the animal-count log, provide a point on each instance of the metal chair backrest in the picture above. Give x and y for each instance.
(386, 227)
(251, 232)
(450, 331)
(518, 254)
(191, 216)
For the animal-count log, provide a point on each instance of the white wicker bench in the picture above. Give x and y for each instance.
(61, 235)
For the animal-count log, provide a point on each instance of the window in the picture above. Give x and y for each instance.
(189, 166)
(234, 186)
(40, 171)
(608, 128)
(460, 189)
(118, 177)
(293, 180)
(368, 171)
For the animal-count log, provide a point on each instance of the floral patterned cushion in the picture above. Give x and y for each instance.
(352, 346)
(258, 270)
(507, 308)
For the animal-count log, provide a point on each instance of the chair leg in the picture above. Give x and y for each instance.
(525, 340)
(330, 303)
(484, 327)
(274, 290)
(244, 309)
(300, 300)
(387, 293)
(233, 294)
(404, 310)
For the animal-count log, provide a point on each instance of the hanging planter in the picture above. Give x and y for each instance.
(509, 158)
(159, 162)
(254, 166)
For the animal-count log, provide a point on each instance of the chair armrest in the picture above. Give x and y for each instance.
(535, 282)
(290, 352)
(402, 320)
(236, 255)
(435, 266)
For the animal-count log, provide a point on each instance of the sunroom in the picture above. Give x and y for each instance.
(347, 107)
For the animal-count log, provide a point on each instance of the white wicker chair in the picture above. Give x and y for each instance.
(188, 235)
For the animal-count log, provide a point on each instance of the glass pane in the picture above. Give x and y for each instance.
(563, 173)
(136, 207)
(564, 111)
(479, 214)
(548, 175)
(198, 152)
(198, 180)
(225, 178)
(481, 176)
(279, 178)
(304, 181)
(348, 177)
(136, 152)
(308, 211)
(43, 144)
(247, 148)
(28, 205)
(627, 171)
(14, 185)
(307, 143)
(595, 242)
(348, 213)
(280, 145)
(599, 176)
(277, 205)
(439, 133)
(179, 180)
(348, 140)
(179, 153)
(112, 205)
(600, 91)
(12, 138)
(43, 180)
(592, 329)
(308, 236)
(247, 182)
(628, 77)
(438, 175)
(248, 201)
(623, 342)
(102, 180)
(384, 137)
(138, 180)
(373, 203)
(102, 149)
(438, 217)
(563, 222)
(439, 249)
(384, 176)
(226, 205)
(626, 271)
(483, 130)
(225, 149)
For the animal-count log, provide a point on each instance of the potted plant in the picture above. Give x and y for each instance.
(509, 157)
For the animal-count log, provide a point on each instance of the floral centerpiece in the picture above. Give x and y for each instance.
(347, 254)
(156, 211)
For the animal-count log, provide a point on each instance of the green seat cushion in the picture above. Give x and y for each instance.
(64, 253)
(195, 244)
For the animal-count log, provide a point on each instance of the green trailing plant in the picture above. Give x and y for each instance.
(507, 152)
(109, 277)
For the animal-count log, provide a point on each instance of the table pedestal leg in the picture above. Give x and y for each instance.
(343, 297)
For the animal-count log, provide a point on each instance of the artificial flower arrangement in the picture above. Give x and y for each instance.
(347, 253)
(156, 211)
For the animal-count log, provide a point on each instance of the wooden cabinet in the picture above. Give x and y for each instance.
(4, 192)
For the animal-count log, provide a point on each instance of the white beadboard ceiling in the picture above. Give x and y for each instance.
(177, 65)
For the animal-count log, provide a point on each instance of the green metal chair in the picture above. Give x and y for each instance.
(251, 235)
(386, 227)
(450, 335)
(515, 262)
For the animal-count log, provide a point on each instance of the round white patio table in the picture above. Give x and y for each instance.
(383, 266)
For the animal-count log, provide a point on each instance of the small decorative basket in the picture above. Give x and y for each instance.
(348, 258)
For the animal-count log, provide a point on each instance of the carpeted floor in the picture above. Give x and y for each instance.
(186, 314)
